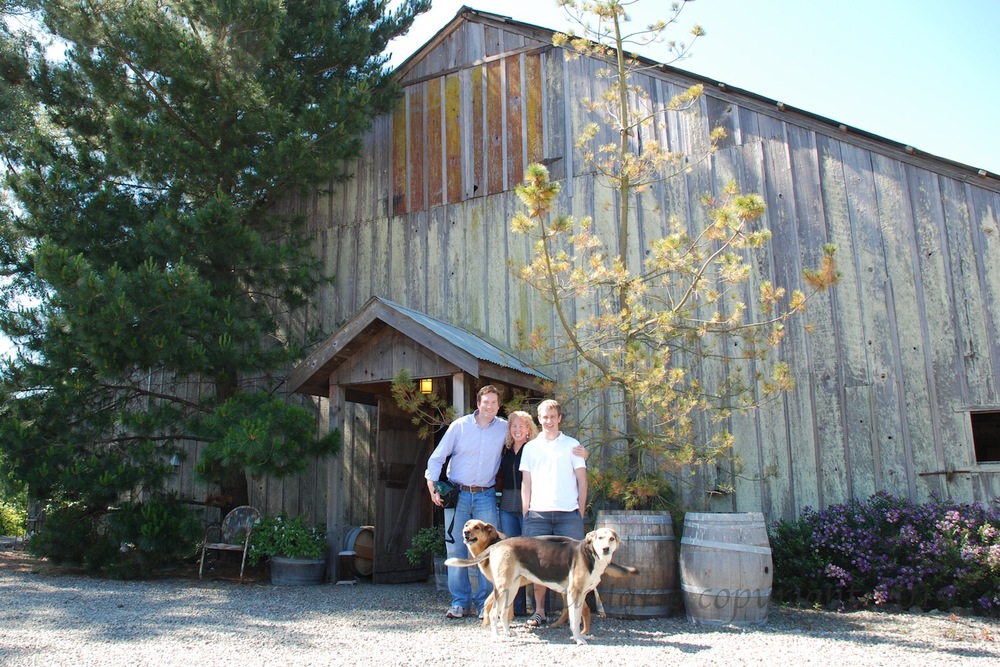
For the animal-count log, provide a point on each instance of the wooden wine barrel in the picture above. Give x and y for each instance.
(726, 568)
(647, 543)
(361, 540)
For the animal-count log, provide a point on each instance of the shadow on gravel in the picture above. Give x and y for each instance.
(917, 631)
(188, 610)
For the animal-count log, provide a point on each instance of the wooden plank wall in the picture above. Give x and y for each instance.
(902, 349)
(186, 483)
(359, 465)
(302, 493)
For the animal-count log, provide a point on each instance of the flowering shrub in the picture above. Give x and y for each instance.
(889, 550)
(290, 538)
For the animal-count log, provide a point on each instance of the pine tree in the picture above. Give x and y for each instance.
(148, 270)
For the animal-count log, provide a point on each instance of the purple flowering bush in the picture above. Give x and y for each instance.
(887, 550)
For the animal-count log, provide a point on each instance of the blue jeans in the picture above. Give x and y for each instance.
(482, 506)
(564, 524)
(510, 525)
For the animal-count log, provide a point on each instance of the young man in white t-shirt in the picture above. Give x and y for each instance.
(553, 488)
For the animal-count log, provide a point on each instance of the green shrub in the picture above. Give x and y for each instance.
(289, 538)
(426, 541)
(887, 550)
(71, 535)
(13, 509)
(151, 535)
(12, 519)
(133, 540)
(797, 565)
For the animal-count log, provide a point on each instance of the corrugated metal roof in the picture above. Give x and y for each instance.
(471, 343)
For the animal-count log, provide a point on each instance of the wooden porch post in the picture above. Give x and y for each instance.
(458, 393)
(336, 529)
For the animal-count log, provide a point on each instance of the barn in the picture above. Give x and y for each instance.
(896, 389)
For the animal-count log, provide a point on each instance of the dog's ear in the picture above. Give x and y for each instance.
(491, 531)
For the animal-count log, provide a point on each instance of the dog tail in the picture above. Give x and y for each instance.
(469, 562)
(616, 570)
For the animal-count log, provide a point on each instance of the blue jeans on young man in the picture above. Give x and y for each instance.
(482, 506)
(564, 524)
(511, 525)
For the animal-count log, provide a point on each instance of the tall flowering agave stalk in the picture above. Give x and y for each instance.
(888, 550)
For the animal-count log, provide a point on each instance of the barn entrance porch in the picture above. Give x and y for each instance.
(378, 478)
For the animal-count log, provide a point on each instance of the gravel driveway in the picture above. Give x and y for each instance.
(76, 620)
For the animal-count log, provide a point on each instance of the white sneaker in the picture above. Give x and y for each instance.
(482, 614)
(455, 612)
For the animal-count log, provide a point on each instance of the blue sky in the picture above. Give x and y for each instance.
(925, 74)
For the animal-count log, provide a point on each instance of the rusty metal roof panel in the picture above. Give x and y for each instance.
(475, 345)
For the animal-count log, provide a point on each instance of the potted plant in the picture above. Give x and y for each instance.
(296, 552)
(430, 541)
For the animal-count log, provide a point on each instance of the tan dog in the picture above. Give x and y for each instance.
(573, 567)
(478, 536)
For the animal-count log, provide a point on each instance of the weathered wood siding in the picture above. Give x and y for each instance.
(185, 482)
(902, 350)
(303, 493)
(359, 469)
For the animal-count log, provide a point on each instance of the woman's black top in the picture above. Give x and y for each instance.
(510, 471)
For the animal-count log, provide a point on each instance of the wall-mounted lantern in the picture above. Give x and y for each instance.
(426, 386)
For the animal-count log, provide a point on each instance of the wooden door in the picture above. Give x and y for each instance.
(401, 499)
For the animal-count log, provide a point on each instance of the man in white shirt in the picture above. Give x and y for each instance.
(553, 488)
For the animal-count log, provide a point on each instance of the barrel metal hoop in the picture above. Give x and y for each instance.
(725, 546)
(637, 591)
(756, 593)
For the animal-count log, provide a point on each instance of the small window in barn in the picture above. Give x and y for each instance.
(986, 436)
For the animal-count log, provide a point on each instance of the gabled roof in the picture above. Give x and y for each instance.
(473, 354)
(466, 13)
(958, 169)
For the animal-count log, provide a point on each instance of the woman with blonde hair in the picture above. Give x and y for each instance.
(520, 429)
